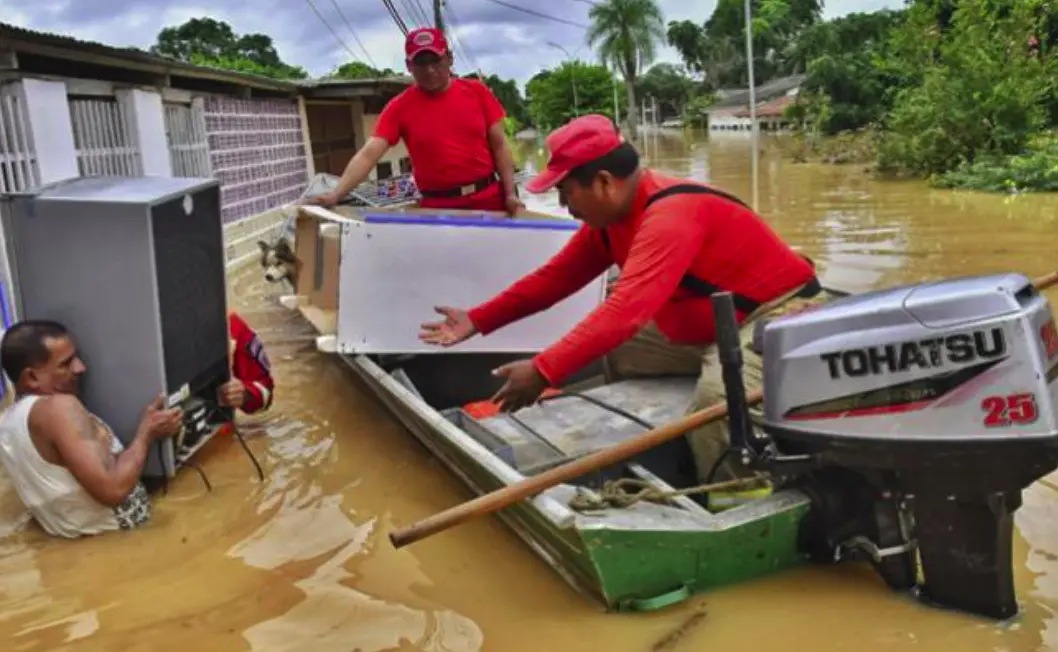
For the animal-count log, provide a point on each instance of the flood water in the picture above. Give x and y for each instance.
(302, 562)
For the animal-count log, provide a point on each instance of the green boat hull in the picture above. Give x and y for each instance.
(638, 558)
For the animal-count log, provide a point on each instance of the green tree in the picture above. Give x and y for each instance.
(848, 85)
(626, 34)
(509, 95)
(360, 70)
(209, 42)
(550, 93)
(985, 96)
(670, 86)
(717, 48)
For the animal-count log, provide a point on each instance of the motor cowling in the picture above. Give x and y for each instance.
(926, 409)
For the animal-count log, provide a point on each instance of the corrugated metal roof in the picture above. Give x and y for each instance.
(9, 32)
(728, 98)
(771, 109)
(327, 82)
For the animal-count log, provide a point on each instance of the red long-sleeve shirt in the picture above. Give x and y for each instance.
(251, 365)
(713, 238)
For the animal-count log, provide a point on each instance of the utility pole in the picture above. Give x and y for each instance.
(573, 72)
(754, 164)
(438, 19)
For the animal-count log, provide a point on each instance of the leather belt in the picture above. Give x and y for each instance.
(463, 190)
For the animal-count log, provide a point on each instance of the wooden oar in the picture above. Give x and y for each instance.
(502, 498)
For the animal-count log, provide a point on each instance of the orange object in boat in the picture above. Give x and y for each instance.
(486, 409)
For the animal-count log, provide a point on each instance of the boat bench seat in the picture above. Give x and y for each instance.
(571, 425)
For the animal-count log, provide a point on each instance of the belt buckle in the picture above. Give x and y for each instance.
(468, 189)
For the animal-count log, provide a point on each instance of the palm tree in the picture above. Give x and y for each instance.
(626, 34)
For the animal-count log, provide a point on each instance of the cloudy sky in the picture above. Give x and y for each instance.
(487, 34)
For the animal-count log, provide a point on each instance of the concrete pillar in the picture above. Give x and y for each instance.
(48, 111)
(143, 110)
(306, 137)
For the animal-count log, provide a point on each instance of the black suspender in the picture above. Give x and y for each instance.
(693, 283)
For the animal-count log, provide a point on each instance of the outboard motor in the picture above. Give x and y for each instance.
(913, 417)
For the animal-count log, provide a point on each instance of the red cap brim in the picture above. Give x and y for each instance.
(545, 181)
(439, 51)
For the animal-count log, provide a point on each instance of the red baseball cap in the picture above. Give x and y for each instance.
(575, 143)
(425, 39)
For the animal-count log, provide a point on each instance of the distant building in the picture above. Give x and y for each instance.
(731, 111)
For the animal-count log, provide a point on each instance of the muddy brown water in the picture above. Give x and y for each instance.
(301, 561)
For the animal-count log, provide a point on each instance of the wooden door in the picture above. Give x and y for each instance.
(333, 136)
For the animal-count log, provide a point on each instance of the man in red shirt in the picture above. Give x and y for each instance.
(453, 130)
(676, 243)
(251, 386)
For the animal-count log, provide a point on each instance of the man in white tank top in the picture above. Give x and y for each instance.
(69, 469)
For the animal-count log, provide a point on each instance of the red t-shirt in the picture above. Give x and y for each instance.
(251, 365)
(446, 134)
(713, 238)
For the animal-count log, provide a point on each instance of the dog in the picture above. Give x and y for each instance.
(278, 259)
(279, 262)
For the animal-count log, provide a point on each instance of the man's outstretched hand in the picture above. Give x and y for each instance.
(453, 329)
(523, 387)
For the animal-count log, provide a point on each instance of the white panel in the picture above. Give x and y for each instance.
(146, 126)
(393, 274)
(51, 133)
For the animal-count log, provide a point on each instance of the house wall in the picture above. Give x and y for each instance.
(257, 152)
(727, 122)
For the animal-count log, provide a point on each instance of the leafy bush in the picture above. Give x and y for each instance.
(1034, 171)
(984, 99)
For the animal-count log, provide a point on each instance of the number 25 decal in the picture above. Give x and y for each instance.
(1015, 409)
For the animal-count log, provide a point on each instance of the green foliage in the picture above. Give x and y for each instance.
(249, 66)
(717, 48)
(550, 93)
(1034, 171)
(695, 112)
(670, 85)
(984, 96)
(846, 86)
(509, 95)
(360, 70)
(209, 42)
(626, 34)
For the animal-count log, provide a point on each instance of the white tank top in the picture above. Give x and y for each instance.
(51, 493)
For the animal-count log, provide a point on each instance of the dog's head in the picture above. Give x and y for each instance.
(278, 261)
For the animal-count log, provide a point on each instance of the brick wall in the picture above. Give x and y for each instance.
(257, 153)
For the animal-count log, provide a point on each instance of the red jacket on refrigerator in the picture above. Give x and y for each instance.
(251, 365)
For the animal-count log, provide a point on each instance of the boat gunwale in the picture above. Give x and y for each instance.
(589, 586)
(561, 515)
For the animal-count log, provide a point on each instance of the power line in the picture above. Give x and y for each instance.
(395, 16)
(414, 19)
(353, 32)
(328, 26)
(451, 17)
(538, 14)
(426, 21)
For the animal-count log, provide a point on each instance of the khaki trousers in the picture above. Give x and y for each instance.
(649, 353)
